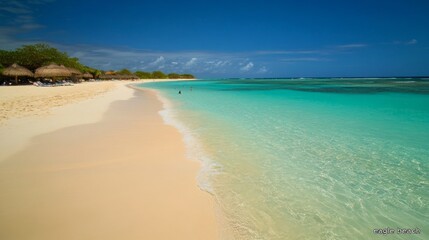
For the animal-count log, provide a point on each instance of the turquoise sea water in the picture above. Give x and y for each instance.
(308, 158)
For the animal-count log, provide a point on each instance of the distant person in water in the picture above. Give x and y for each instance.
(180, 92)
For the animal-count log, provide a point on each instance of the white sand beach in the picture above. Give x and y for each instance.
(96, 163)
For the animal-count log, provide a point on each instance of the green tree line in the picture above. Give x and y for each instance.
(161, 75)
(38, 55)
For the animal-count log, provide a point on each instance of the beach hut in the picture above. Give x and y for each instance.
(17, 71)
(52, 71)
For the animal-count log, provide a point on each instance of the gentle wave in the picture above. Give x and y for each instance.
(194, 150)
(306, 164)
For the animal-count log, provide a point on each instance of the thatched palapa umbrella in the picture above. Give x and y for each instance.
(17, 71)
(52, 70)
(87, 75)
(75, 72)
(106, 76)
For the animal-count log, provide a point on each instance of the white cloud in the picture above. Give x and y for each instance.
(146, 60)
(158, 61)
(221, 63)
(263, 69)
(247, 67)
(217, 66)
(191, 62)
(200, 63)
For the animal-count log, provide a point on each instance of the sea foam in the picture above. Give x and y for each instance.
(194, 149)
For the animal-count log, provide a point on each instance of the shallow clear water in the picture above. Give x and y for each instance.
(309, 158)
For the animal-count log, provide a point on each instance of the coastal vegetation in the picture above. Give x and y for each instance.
(161, 75)
(38, 55)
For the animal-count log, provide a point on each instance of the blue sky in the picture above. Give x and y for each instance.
(230, 38)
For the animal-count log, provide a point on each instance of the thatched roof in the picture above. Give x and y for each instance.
(87, 75)
(52, 70)
(74, 71)
(15, 70)
(105, 76)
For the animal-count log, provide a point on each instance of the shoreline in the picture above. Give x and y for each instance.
(123, 174)
(191, 144)
(196, 152)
